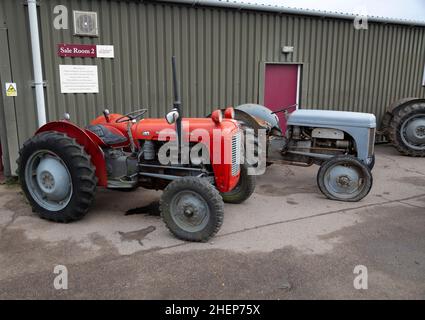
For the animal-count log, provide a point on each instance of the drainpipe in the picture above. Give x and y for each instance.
(37, 66)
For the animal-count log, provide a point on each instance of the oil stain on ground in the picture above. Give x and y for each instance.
(151, 209)
(137, 235)
(416, 181)
(291, 201)
(274, 191)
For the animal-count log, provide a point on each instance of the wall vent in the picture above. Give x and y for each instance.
(85, 23)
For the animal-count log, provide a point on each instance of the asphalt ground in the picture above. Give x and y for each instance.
(286, 242)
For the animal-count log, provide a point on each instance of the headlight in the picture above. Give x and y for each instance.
(229, 113)
(217, 116)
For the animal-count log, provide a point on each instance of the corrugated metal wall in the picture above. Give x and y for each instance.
(219, 53)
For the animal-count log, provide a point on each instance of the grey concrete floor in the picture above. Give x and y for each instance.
(286, 242)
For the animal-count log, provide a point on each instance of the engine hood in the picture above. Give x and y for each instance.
(325, 118)
(149, 129)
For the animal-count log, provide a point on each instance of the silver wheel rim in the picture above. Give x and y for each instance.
(190, 211)
(48, 180)
(344, 181)
(413, 132)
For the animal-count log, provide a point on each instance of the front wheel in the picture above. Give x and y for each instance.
(344, 178)
(244, 188)
(192, 209)
(57, 177)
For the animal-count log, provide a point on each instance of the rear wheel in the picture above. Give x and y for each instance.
(344, 178)
(407, 129)
(192, 209)
(57, 177)
(243, 189)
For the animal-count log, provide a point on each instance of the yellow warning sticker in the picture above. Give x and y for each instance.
(11, 90)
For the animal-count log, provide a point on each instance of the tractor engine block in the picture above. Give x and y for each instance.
(319, 140)
(119, 164)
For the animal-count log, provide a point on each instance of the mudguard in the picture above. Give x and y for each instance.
(260, 112)
(256, 116)
(87, 140)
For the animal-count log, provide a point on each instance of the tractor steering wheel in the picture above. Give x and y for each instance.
(134, 115)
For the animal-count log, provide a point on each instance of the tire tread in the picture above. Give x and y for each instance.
(393, 130)
(83, 169)
(210, 193)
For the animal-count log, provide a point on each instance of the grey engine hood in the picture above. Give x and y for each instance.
(325, 118)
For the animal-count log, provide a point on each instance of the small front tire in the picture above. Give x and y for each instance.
(344, 178)
(192, 209)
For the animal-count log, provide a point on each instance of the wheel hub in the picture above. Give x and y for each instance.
(343, 179)
(420, 131)
(48, 180)
(414, 132)
(190, 211)
(53, 179)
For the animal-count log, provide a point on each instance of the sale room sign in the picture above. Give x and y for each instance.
(77, 50)
(85, 51)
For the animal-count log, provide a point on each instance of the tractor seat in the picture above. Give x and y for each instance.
(110, 136)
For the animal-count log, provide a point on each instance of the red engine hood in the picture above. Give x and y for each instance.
(150, 129)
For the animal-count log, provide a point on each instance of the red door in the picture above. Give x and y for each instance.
(281, 88)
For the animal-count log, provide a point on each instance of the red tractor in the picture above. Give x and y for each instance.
(62, 164)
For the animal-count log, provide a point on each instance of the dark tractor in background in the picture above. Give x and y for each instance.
(404, 126)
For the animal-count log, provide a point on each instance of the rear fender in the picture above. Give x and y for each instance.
(260, 113)
(256, 116)
(84, 139)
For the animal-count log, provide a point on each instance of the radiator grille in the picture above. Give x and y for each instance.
(236, 153)
(371, 141)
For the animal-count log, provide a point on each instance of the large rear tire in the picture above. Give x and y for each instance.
(407, 129)
(57, 177)
(344, 178)
(192, 209)
(243, 189)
